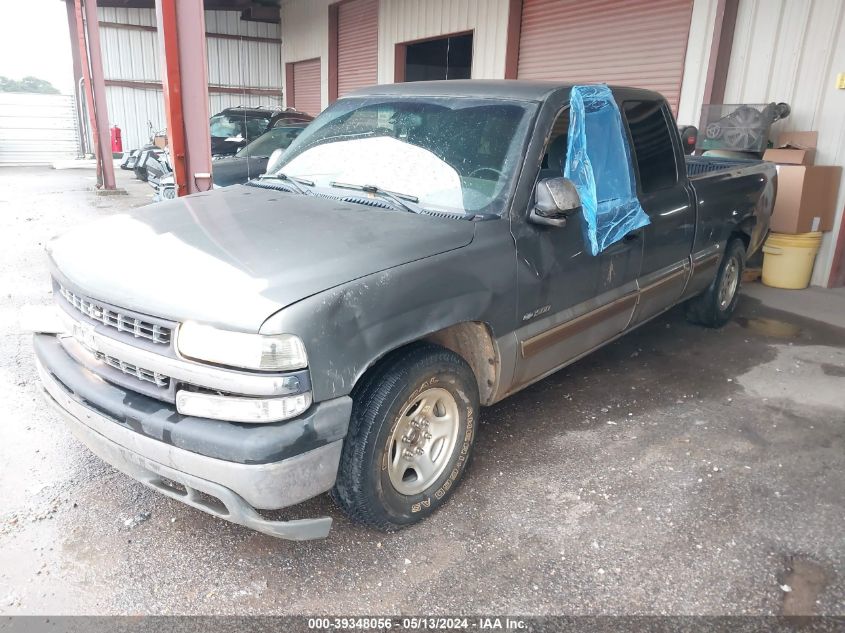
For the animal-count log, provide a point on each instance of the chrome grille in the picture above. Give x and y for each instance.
(139, 372)
(120, 321)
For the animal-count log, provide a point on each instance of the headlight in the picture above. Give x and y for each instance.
(281, 352)
(241, 409)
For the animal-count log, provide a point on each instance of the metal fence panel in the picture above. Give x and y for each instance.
(37, 129)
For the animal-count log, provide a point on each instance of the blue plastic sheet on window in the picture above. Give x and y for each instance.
(598, 162)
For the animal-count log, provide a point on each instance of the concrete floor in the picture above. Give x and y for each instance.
(677, 471)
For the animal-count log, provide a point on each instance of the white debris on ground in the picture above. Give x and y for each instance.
(136, 520)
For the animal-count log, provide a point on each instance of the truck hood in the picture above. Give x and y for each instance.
(233, 257)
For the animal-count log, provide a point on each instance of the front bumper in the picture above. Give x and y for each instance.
(231, 490)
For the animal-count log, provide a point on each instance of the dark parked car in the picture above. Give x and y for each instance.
(251, 161)
(424, 249)
(233, 128)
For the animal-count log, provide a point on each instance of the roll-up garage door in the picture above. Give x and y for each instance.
(306, 86)
(357, 45)
(638, 43)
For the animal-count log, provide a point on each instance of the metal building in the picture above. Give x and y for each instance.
(694, 52)
(244, 66)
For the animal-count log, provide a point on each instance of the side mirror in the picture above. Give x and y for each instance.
(554, 201)
(274, 161)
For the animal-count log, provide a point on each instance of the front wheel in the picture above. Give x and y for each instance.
(714, 307)
(410, 437)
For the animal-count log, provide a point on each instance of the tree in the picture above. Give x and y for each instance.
(27, 84)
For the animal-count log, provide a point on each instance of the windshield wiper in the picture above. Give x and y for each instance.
(294, 181)
(394, 196)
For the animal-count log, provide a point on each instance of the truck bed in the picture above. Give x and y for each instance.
(702, 166)
(733, 189)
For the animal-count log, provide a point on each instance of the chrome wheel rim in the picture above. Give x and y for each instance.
(422, 441)
(730, 281)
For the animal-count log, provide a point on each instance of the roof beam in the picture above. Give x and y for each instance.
(141, 84)
(250, 10)
(222, 36)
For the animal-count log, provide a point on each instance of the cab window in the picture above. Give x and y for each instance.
(554, 158)
(653, 149)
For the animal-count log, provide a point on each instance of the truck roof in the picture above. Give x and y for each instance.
(520, 89)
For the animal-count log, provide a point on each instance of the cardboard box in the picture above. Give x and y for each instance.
(806, 198)
(794, 148)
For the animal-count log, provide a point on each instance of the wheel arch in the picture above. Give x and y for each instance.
(471, 340)
(743, 231)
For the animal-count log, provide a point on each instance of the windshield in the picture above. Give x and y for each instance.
(234, 125)
(452, 154)
(277, 138)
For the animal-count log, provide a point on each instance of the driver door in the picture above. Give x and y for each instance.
(569, 300)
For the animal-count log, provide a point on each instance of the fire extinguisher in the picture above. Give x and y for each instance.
(116, 141)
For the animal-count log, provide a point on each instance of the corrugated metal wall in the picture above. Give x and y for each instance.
(37, 129)
(243, 63)
(131, 109)
(407, 20)
(305, 35)
(628, 42)
(133, 55)
(786, 50)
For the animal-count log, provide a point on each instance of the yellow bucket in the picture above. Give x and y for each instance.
(788, 259)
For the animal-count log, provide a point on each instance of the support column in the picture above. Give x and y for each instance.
(181, 26)
(86, 98)
(720, 51)
(98, 83)
(78, 89)
(513, 34)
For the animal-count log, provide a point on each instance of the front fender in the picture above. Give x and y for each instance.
(348, 328)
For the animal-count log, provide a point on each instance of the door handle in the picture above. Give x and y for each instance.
(624, 244)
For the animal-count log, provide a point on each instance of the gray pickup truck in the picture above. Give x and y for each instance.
(337, 325)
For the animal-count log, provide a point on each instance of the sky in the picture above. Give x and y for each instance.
(35, 41)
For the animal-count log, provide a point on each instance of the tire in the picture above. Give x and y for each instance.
(422, 399)
(141, 173)
(714, 307)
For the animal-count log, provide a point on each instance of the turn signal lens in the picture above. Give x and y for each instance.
(241, 409)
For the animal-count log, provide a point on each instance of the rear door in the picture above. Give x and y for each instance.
(664, 193)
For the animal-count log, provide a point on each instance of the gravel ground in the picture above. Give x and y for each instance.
(677, 471)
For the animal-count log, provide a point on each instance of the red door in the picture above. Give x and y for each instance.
(357, 45)
(639, 43)
(306, 86)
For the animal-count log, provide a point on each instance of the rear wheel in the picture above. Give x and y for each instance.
(410, 437)
(714, 307)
